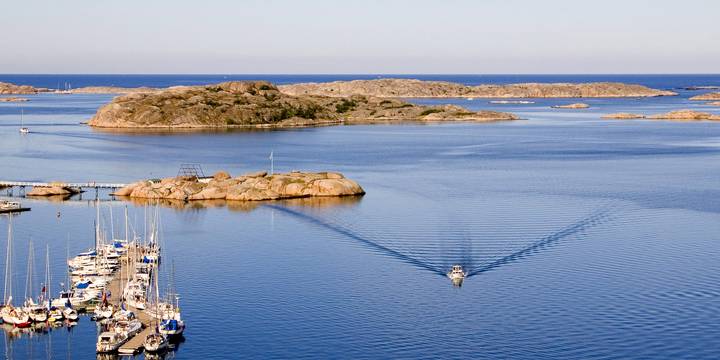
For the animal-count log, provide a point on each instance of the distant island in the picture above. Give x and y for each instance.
(248, 187)
(677, 115)
(411, 88)
(13, 99)
(12, 89)
(707, 97)
(260, 104)
(571, 106)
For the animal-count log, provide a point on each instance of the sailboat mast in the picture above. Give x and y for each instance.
(47, 275)
(29, 273)
(7, 291)
(127, 240)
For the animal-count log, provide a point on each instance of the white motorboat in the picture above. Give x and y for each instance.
(110, 341)
(128, 327)
(70, 314)
(456, 275)
(6, 205)
(104, 311)
(155, 342)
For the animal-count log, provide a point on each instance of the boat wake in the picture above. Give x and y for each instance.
(462, 254)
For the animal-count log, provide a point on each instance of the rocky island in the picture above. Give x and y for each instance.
(12, 89)
(411, 88)
(708, 97)
(677, 115)
(111, 90)
(13, 99)
(571, 106)
(685, 115)
(249, 187)
(260, 104)
(623, 116)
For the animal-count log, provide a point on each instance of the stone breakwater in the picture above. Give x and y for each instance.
(412, 88)
(249, 187)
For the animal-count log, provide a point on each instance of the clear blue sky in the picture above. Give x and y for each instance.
(370, 36)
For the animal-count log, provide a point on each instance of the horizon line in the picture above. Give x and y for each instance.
(367, 74)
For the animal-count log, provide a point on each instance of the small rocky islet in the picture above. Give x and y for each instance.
(713, 96)
(256, 186)
(572, 106)
(677, 115)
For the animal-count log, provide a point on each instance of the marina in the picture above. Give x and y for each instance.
(115, 283)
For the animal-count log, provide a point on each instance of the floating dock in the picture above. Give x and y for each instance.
(86, 185)
(7, 211)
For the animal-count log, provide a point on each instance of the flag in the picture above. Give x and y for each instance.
(43, 289)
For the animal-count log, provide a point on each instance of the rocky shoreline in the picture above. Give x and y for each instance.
(13, 99)
(12, 89)
(257, 186)
(259, 104)
(411, 88)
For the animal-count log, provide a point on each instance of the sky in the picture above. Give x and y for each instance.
(360, 37)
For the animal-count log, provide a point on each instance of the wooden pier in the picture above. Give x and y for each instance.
(79, 185)
(135, 344)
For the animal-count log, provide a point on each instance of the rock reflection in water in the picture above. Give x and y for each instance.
(245, 206)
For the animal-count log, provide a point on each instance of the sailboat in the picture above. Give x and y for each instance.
(35, 310)
(10, 314)
(156, 342)
(23, 129)
(54, 314)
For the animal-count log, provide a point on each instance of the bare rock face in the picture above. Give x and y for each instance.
(250, 187)
(623, 116)
(8, 88)
(713, 103)
(51, 191)
(571, 106)
(13, 99)
(260, 104)
(686, 115)
(412, 88)
(709, 97)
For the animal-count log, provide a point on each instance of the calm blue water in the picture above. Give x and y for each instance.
(586, 238)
